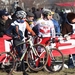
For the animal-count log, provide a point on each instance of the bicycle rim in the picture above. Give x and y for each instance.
(35, 62)
(55, 61)
(7, 62)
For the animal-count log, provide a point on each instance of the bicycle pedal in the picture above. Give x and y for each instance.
(2, 66)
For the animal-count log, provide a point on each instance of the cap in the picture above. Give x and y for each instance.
(30, 14)
(3, 12)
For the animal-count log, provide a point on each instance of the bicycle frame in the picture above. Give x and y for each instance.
(52, 59)
(30, 43)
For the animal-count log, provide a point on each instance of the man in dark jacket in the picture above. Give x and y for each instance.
(3, 18)
(69, 27)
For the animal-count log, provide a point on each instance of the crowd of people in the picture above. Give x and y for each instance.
(42, 22)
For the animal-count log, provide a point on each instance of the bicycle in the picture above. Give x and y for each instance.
(35, 60)
(55, 52)
(55, 59)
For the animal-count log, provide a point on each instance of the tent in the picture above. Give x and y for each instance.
(66, 4)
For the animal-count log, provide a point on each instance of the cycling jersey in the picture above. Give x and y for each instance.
(46, 27)
(21, 26)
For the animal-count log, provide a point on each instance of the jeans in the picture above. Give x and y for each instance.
(70, 62)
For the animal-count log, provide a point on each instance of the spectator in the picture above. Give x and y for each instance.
(30, 17)
(37, 14)
(39, 17)
(56, 24)
(56, 15)
(8, 22)
(14, 14)
(69, 27)
(3, 18)
(33, 11)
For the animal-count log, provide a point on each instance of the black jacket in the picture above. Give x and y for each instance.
(2, 28)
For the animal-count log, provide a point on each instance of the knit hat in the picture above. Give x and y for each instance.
(70, 17)
(30, 14)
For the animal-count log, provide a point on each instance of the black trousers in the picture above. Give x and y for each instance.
(19, 50)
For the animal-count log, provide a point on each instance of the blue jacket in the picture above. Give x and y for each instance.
(57, 26)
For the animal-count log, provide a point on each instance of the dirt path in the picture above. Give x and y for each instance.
(62, 72)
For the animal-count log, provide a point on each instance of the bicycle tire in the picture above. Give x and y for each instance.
(7, 62)
(18, 65)
(36, 63)
(55, 62)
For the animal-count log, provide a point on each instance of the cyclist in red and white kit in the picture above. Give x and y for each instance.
(45, 27)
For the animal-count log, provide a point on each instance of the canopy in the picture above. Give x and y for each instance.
(66, 4)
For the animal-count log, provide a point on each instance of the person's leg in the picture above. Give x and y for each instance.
(23, 67)
(19, 50)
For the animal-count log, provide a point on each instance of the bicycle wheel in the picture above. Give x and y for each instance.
(18, 62)
(38, 59)
(55, 61)
(7, 62)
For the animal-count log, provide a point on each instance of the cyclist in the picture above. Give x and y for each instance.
(19, 26)
(45, 27)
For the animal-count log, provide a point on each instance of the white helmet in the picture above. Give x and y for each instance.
(21, 14)
(46, 11)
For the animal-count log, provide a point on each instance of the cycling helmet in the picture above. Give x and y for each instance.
(46, 12)
(21, 14)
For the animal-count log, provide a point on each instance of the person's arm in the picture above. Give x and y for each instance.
(17, 31)
(57, 27)
(29, 29)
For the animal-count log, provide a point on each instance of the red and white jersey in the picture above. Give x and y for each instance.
(46, 27)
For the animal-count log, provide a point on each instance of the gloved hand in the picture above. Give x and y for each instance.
(53, 40)
(67, 37)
